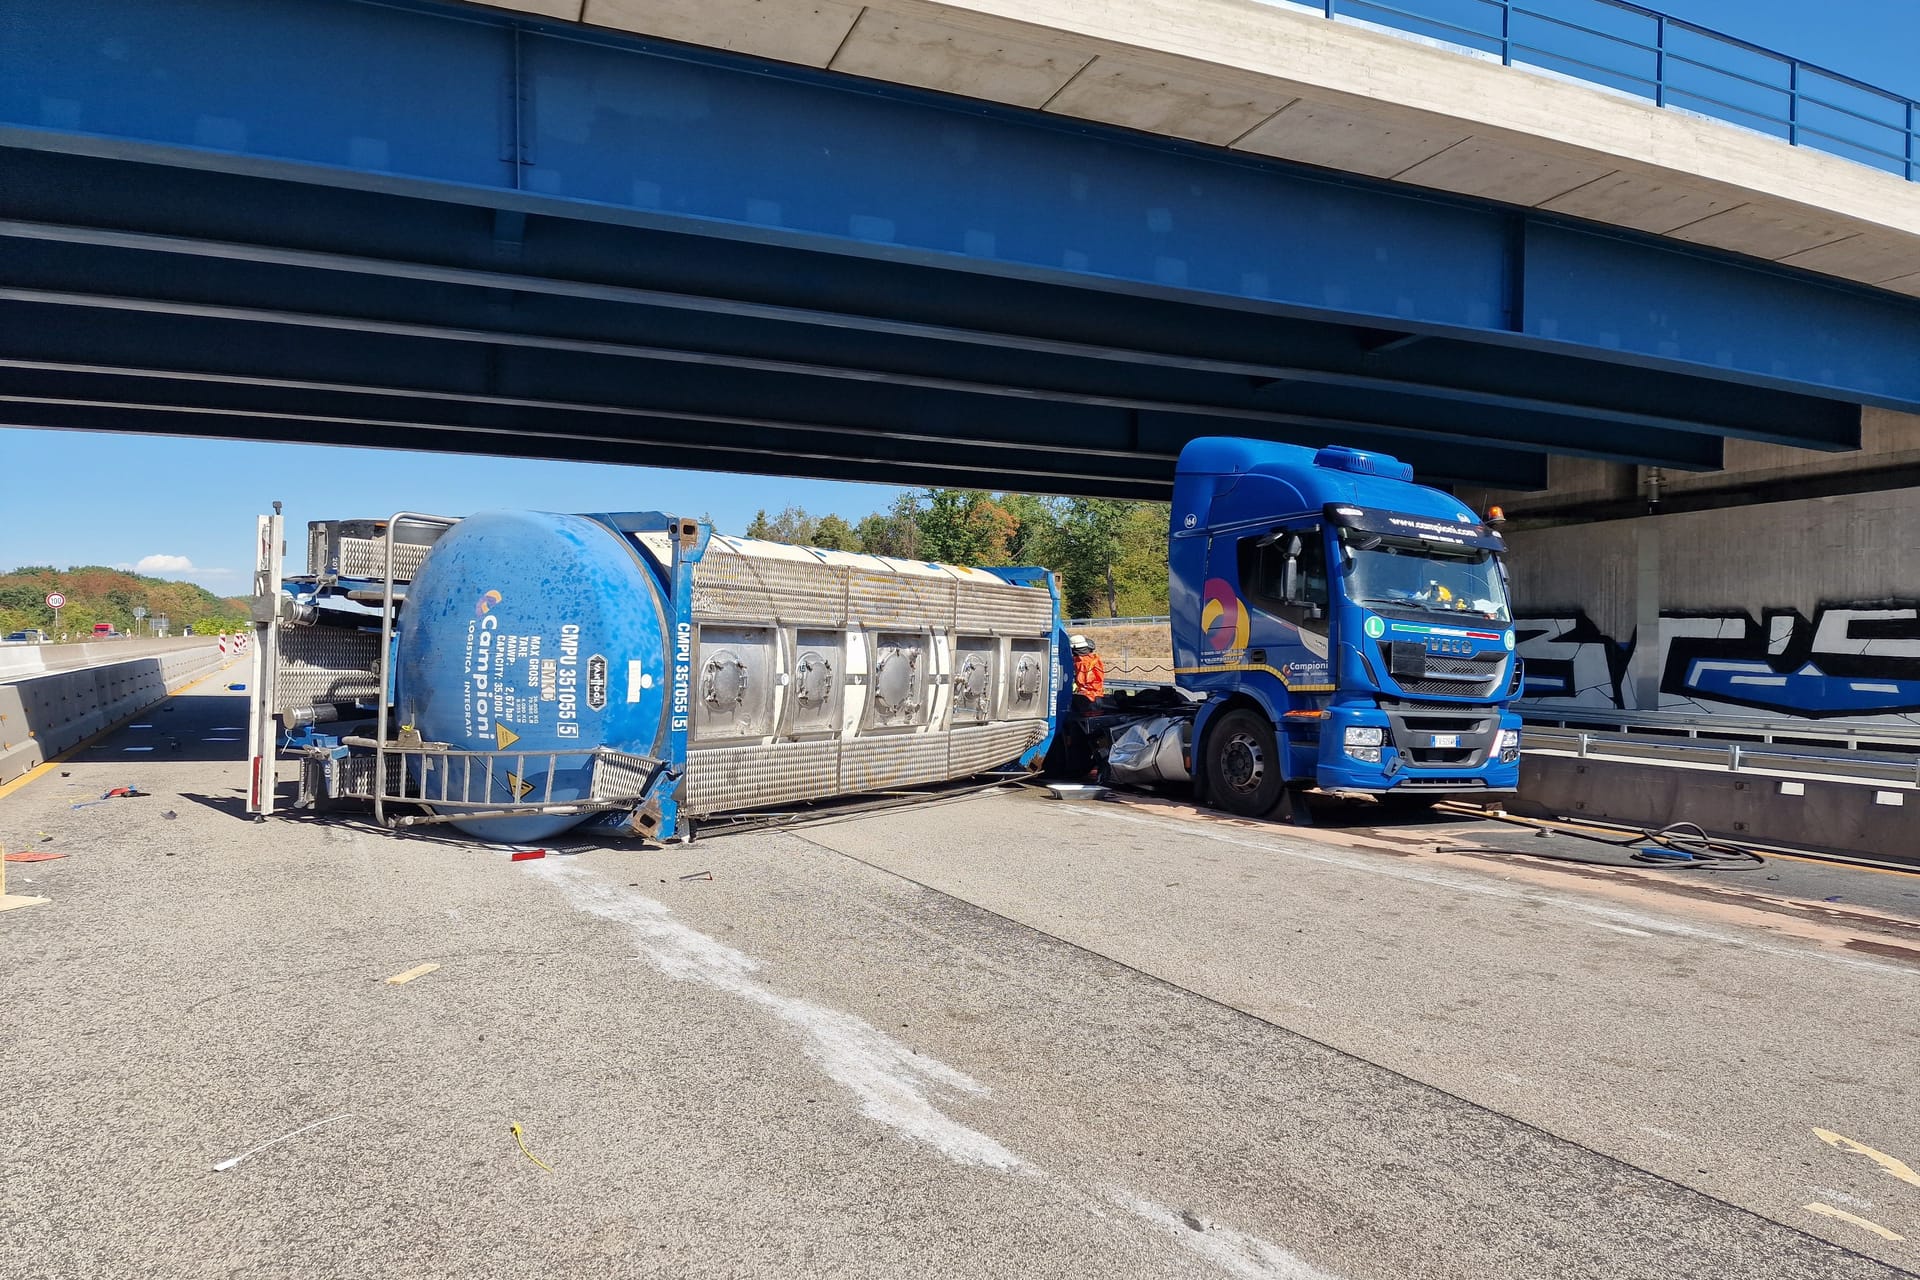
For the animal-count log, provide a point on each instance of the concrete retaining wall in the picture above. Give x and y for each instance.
(1810, 813)
(43, 715)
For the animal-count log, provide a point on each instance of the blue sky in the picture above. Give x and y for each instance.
(84, 498)
(1870, 40)
(69, 497)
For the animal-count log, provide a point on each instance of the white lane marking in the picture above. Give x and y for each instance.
(1618, 928)
(1462, 884)
(890, 1080)
(1828, 1193)
(1668, 1134)
(1234, 1252)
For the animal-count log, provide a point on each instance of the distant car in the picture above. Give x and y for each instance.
(105, 631)
(24, 637)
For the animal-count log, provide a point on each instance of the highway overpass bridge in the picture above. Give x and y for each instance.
(1035, 245)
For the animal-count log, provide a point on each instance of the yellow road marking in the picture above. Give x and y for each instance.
(1858, 1221)
(1898, 1168)
(418, 971)
(8, 788)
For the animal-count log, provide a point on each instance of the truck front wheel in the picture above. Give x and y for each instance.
(1244, 770)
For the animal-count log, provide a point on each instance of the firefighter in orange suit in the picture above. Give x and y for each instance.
(1089, 673)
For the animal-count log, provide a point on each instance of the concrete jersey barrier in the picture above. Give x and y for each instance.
(43, 715)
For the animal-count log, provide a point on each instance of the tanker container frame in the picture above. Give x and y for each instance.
(518, 674)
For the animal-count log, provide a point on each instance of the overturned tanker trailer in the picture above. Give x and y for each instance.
(516, 674)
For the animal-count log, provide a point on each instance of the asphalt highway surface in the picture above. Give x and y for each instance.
(1001, 1035)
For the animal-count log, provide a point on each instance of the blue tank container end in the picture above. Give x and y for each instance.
(531, 632)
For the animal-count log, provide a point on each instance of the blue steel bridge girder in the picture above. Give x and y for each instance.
(621, 353)
(899, 235)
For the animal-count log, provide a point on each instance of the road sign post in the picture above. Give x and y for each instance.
(55, 601)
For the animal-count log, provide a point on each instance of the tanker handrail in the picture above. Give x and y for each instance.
(386, 646)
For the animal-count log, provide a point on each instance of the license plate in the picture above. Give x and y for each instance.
(1445, 740)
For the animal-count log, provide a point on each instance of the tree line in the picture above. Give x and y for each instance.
(96, 593)
(1110, 554)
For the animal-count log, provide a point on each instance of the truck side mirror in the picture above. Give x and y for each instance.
(1290, 571)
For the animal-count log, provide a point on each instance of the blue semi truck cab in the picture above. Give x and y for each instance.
(1347, 628)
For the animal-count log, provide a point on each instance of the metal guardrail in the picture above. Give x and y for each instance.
(1074, 624)
(1840, 764)
(1624, 47)
(1850, 735)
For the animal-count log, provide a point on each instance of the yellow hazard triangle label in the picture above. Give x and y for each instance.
(504, 736)
(519, 786)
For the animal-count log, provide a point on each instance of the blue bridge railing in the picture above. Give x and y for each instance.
(1676, 64)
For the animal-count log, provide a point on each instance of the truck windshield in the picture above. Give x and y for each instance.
(1418, 577)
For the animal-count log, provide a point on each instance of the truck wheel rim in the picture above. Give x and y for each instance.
(1243, 763)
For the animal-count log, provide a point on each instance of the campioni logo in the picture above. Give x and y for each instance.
(485, 604)
(1223, 618)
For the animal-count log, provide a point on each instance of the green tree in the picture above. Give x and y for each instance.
(834, 534)
(1140, 571)
(1036, 529)
(894, 532)
(1089, 544)
(792, 526)
(964, 526)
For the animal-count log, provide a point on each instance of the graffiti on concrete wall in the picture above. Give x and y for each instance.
(1847, 660)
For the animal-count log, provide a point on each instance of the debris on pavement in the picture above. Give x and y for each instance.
(519, 1138)
(698, 875)
(225, 1165)
(35, 857)
(418, 971)
(123, 793)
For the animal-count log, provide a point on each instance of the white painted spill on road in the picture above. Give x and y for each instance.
(1460, 883)
(891, 1082)
(1234, 1252)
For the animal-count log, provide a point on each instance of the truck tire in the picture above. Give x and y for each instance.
(1245, 773)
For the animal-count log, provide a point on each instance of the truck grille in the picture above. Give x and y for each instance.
(1448, 677)
(1415, 725)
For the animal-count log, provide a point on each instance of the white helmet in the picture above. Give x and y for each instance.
(1079, 643)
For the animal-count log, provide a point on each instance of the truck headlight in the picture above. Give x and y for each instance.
(1509, 745)
(1362, 736)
